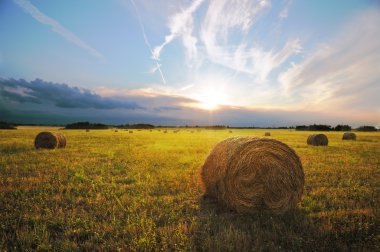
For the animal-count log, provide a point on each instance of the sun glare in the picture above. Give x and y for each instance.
(210, 98)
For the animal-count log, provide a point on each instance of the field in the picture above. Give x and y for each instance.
(141, 191)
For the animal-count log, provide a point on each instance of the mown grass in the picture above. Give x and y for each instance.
(141, 192)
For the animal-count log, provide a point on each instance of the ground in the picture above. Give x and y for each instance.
(141, 191)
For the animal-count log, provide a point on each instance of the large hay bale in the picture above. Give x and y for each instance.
(267, 134)
(250, 174)
(349, 136)
(318, 140)
(49, 140)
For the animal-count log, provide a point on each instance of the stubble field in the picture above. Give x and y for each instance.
(141, 191)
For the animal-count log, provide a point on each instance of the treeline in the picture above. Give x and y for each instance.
(135, 126)
(86, 125)
(5, 125)
(322, 127)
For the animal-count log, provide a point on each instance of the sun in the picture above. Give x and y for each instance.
(210, 98)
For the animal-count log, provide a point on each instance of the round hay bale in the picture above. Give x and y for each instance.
(267, 134)
(49, 140)
(230, 131)
(87, 130)
(130, 132)
(318, 140)
(349, 136)
(250, 174)
(116, 130)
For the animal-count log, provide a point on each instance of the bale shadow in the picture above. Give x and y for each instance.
(220, 229)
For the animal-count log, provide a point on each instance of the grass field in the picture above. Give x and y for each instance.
(141, 192)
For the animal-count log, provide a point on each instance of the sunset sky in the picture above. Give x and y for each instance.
(172, 62)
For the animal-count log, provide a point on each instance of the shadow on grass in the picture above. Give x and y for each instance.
(223, 230)
(15, 149)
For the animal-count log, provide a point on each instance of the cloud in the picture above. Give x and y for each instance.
(56, 27)
(344, 72)
(45, 102)
(181, 24)
(60, 95)
(147, 43)
(285, 10)
(238, 18)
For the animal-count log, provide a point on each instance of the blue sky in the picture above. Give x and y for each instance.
(242, 63)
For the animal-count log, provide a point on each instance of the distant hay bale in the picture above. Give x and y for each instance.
(49, 140)
(230, 131)
(130, 132)
(318, 140)
(165, 131)
(115, 130)
(87, 130)
(349, 136)
(250, 174)
(267, 134)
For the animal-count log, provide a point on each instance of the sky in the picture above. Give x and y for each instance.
(199, 62)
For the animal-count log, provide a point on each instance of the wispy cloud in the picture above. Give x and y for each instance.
(181, 24)
(56, 27)
(223, 20)
(344, 73)
(147, 43)
(285, 10)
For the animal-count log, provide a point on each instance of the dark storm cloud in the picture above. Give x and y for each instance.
(61, 95)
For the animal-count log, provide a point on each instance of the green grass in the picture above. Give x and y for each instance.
(140, 192)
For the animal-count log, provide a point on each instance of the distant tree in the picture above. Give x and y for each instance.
(86, 125)
(320, 127)
(302, 127)
(215, 127)
(136, 126)
(342, 128)
(314, 127)
(5, 125)
(367, 128)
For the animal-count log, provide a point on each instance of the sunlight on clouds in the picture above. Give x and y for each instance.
(342, 71)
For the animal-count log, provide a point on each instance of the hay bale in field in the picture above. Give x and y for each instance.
(116, 130)
(230, 131)
(49, 140)
(87, 130)
(165, 131)
(349, 136)
(250, 174)
(318, 140)
(130, 132)
(267, 134)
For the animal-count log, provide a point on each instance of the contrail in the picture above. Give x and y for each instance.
(56, 27)
(156, 60)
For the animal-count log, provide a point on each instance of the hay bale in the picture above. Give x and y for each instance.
(116, 130)
(267, 134)
(49, 140)
(250, 174)
(87, 130)
(230, 131)
(130, 132)
(318, 140)
(349, 136)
